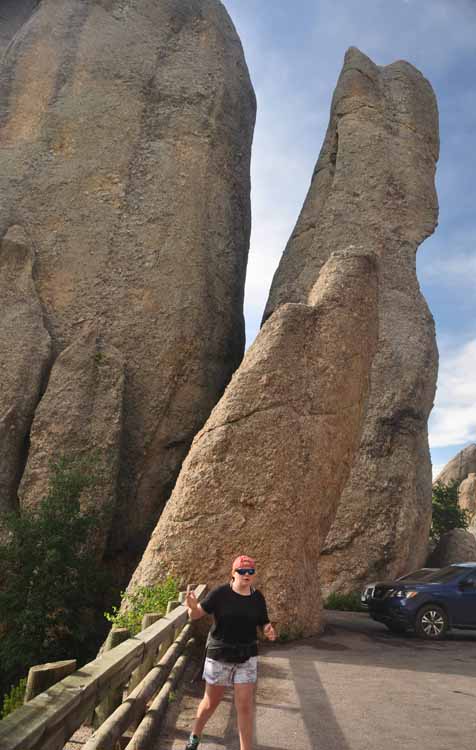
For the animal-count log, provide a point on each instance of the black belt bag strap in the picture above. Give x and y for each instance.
(236, 653)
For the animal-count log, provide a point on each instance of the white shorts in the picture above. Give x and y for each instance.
(225, 673)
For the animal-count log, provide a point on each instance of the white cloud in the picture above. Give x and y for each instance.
(436, 468)
(453, 420)
(458, 268)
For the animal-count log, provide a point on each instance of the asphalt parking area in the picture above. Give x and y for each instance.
(357, 687)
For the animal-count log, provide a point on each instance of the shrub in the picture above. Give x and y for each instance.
(142, 601)
(446, 513)
(13, 699)
(344, 602)
(51, 585)
(292, 634)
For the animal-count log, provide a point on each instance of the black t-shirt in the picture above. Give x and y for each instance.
(236, 616)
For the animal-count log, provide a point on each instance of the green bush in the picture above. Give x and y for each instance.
(292, 634)
(446, 513)
(51, 588)
(13, 699)
(142, 601)
(344, 602)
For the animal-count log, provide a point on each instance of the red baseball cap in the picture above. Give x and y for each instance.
(243, 561)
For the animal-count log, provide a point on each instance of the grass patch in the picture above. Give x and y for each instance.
(344, 602)
(13, 699)
(293, 634)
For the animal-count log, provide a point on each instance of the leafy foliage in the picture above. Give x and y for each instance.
(291, 634)
(51, 585)
(143, 600)
(447, 514)
(13, 699)
(344, 602)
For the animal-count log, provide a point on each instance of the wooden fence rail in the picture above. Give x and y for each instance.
(133, 708)
(51, 718)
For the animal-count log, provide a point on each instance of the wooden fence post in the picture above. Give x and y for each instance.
(43, 676)
(149, 619)
(114, 698)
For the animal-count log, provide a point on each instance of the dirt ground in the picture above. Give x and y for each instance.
(357, 687)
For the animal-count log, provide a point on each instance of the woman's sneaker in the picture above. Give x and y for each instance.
(193, 742)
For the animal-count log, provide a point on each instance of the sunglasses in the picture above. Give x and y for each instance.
(245, 571)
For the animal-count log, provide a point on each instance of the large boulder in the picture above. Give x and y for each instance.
(374, 185)
(266, 472)
(460, 466)
(456, 546)
(25, 351)
(125, 132)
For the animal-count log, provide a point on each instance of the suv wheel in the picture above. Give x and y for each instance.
(431, 622)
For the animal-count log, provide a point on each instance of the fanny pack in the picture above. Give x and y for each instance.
(235, 653)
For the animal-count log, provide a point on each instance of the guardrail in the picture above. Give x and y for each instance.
(48, 720)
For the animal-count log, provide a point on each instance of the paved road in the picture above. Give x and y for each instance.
(357, 687)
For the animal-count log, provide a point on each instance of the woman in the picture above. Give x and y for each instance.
(231, 657)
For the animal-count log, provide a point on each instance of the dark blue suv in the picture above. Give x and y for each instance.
(444, 599)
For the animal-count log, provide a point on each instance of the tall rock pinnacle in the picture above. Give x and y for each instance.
(125, 140)
(374, 185)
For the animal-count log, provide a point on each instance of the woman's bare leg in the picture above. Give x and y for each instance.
(211, 699)
(244, 702)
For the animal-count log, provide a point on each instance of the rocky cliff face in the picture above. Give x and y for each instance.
(25, 352)
(456, 546)
(462, 469)
(266, 472)
(467, 499)
(125, 138)
(80, 413)
(374, 185)
(463, 464)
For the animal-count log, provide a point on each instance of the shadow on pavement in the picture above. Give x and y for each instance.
(319, 719)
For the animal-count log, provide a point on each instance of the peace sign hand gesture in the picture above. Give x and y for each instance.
(191, 600)
(270, 632)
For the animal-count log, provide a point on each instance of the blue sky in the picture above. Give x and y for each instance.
(295, 51)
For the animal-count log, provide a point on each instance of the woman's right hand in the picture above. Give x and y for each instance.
(194, 609)
(191, 600)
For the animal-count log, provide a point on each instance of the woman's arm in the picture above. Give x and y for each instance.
(268, 630)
